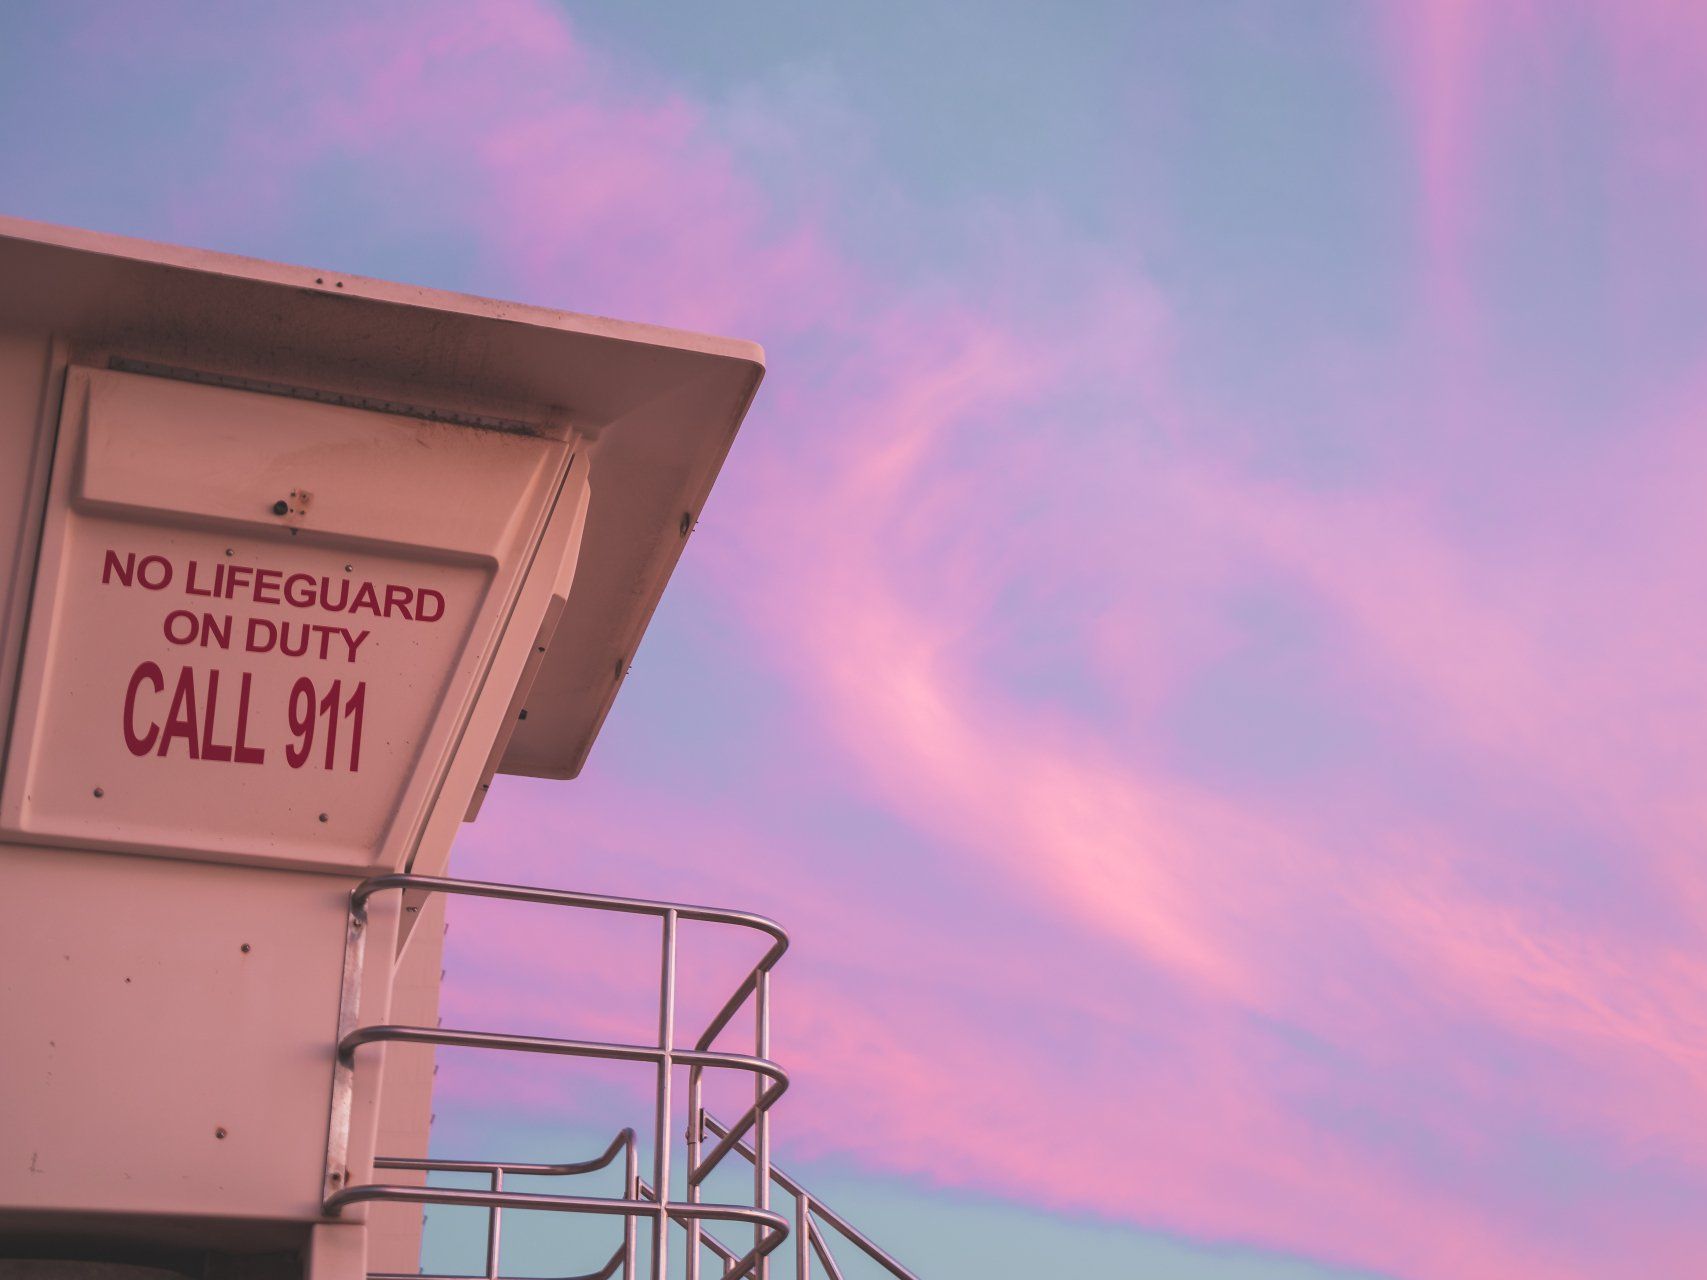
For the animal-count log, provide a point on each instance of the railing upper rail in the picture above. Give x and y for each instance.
(429, 1164)
(450, 1038)
(605, 1206)
(586, 901)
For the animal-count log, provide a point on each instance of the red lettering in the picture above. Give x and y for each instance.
(212, 750)
(125, 570)
(190, 588)
(284, 641)
(329, 709)
(176, 633)
(216, 631)
(181, 718)
(421, 597)
(267, 580)
(258, 628)
(366, 598)
(238, 575)
(162, 568)
(398, 598)
(299, 590)
(138, 744)
(200, 740)
(245, 753)
(353, 709)
(182, 627)
(308, 708)
(301, 715)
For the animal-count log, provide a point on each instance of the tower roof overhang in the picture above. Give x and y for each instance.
(658, 407)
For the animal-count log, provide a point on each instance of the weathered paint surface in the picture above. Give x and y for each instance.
(155, 1065)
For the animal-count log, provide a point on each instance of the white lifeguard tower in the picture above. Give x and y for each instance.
(291, 564)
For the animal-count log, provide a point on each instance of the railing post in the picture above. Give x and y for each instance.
(696, 1141)
(662, 1136)
(802, 1236)
(344, 1065)
(762, 1122)
(494, 1226)
(630, 1191)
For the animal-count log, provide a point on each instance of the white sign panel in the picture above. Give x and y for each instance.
(259, 622)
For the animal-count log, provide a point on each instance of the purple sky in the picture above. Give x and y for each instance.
(1196, 638)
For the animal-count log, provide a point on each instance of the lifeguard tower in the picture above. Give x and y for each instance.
(291, 564)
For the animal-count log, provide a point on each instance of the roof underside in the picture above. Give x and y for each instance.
(662, 405)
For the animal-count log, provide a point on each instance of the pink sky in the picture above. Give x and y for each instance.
(1228, 747)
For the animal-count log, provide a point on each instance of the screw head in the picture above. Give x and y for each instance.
(99, 793)
(244, 948)
(281, 507)
(325, 817)
(219, 1132)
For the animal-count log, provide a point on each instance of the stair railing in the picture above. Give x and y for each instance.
(811, 1215)
(640, 1199)
(770, 1081)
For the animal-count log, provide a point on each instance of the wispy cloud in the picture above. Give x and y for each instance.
(1412, 983)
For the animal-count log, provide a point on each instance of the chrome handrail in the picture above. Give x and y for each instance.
(572, 898)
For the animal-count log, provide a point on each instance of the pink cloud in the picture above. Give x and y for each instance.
(1302, 1020)
(1223, 905)
(1437, 43)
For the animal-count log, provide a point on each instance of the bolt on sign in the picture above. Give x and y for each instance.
(257, 617)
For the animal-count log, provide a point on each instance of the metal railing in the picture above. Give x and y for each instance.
(640, 1200)
(495, 1170)
(808, 1230)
